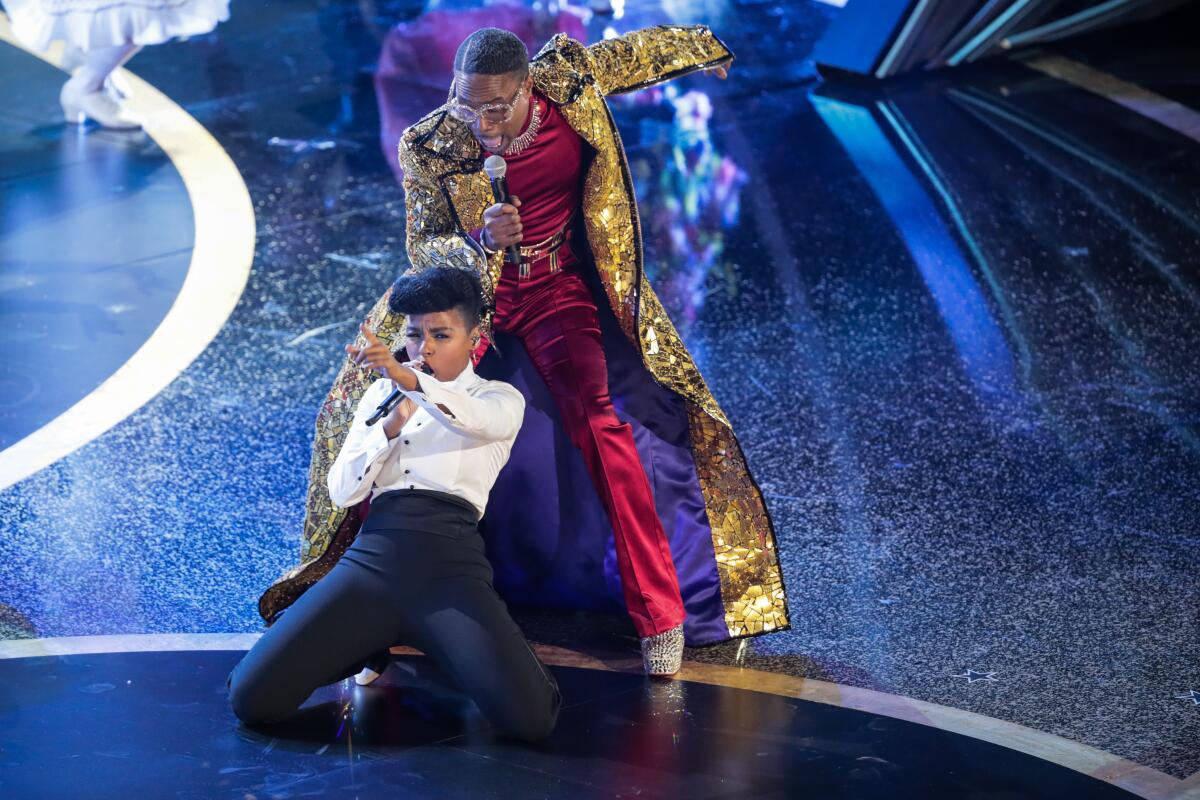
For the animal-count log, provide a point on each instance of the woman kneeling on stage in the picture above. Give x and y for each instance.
(416, 573)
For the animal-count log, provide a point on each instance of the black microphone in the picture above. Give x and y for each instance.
(496, 168)
(393, 399)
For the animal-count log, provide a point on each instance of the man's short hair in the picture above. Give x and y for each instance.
(439, 289)
(491, 51)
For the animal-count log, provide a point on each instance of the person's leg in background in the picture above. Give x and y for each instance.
(84, 96)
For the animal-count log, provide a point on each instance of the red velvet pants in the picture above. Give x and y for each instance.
(555, 317)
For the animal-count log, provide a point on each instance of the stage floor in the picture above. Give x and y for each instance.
(157, 724)
(955, 323)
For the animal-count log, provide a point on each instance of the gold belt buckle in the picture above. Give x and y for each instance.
(549, 246)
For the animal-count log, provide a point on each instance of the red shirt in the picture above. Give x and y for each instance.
(547, 175)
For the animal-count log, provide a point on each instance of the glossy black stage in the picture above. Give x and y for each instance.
(157, 725)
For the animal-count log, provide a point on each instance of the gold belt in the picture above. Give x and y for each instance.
(547, 247)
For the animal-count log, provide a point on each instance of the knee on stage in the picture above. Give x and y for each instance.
(261, 693)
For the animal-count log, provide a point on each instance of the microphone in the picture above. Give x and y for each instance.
(393, 399)
(496, 168)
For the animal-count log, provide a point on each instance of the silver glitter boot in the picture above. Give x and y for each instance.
(662, 653)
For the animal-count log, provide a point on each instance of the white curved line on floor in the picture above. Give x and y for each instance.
(219, 268)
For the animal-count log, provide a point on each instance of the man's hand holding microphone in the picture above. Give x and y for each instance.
(501, 221)
(502, 224)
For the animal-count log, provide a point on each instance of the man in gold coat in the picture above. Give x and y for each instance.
(572, 312)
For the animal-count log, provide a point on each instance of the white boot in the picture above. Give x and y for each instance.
(92, 92)
(79, 106)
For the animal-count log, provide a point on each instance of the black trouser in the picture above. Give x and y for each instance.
(416, 575)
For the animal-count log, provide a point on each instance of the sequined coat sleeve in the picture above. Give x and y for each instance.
(432, 238)
(652, 55)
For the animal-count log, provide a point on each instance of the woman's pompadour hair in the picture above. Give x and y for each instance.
(439, 289)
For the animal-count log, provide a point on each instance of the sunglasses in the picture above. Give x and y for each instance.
(495, 113)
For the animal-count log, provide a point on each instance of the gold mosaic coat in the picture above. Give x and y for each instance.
(446, 193)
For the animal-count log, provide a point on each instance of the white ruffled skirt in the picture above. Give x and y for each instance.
(93, 24)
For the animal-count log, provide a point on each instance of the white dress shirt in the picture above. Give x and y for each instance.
(456, 441)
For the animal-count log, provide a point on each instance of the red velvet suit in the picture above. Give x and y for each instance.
(554, 315)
